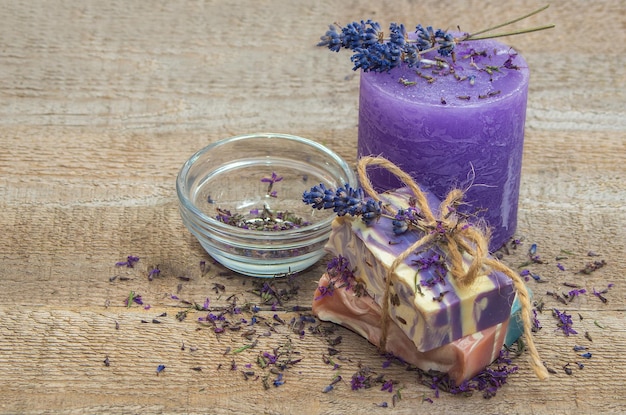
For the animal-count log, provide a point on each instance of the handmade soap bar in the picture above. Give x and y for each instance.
(461, 359)
(427, 303)
(460, 125)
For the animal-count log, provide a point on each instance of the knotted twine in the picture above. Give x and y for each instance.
(453, 233)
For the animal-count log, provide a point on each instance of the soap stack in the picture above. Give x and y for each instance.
(433, 322)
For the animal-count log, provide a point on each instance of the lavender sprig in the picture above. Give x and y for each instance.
(344, 200)
(372, 52)
(348, 201)
(377, 52)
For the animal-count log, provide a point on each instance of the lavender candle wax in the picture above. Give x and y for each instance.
(453, 124)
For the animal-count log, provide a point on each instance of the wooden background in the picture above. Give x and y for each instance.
(102, 101)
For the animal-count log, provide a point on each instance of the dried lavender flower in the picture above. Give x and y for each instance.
(565, 322)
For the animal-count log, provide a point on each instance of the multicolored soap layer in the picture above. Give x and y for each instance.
(430, 314)
(461, 359)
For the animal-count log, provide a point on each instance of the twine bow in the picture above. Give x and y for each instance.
(453, 233)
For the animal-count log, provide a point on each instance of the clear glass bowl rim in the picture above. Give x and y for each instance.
(246, 233)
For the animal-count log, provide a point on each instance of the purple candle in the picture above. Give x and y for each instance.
(453, 124)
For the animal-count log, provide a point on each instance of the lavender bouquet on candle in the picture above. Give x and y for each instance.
(375, 51)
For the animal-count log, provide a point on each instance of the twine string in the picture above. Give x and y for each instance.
(453, 233)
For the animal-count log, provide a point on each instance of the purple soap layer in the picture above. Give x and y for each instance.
(428, 306)
(474, 140)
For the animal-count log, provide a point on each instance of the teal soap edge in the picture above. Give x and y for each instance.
(516, 325)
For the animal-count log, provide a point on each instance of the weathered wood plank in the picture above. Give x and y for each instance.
(102, 102)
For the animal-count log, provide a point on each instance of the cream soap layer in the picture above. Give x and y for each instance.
(431, 315)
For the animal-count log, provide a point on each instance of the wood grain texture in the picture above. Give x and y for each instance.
(102, 102)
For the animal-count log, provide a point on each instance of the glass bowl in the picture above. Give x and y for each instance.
(242, 198)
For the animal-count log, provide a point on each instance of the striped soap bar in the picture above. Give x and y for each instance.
(426, 302)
